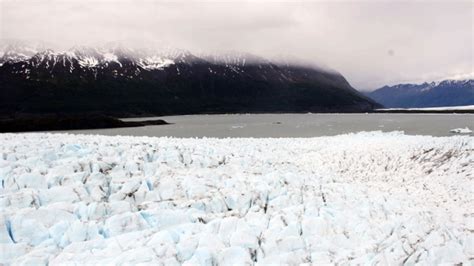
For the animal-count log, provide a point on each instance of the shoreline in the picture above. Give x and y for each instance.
(458, 111)
(69, 122)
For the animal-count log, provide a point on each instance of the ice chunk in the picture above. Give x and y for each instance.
(125, 222)
(186, 247)
(235, 256)
(201, 256)
(465, 130)
(12, 251)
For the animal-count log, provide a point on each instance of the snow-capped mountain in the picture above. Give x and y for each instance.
(14, 52)
(432, 94)
(85, 59)
(117, 78)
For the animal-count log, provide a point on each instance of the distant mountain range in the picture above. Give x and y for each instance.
(118, 80)
(441, 93)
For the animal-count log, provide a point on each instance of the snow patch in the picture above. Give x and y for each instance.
(88, 61)
(110, 57)
(154, 62)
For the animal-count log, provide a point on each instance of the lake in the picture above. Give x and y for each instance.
(293, 125)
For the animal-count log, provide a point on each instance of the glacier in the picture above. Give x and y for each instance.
(364, 198)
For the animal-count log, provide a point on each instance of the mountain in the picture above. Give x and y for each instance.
(442, 93)
(118, 80)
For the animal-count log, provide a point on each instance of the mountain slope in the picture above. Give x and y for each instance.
(444, 93)
(119, 80)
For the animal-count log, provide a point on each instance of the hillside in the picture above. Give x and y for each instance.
(122, 81)
(443, 93)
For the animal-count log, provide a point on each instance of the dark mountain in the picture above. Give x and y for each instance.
(444, 93)
(121, 81)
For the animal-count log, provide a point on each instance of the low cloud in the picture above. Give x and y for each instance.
(372, 43)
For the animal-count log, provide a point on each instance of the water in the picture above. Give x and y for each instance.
(293, 125)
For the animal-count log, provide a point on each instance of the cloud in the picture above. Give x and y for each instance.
(372, 43)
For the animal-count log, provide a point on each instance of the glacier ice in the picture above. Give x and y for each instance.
(361, 198)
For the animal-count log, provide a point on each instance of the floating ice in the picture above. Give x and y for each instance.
(465, 130)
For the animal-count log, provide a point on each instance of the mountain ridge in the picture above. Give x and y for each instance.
(167, 81)
(447, 92)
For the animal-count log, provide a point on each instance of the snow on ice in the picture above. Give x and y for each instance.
(383, 198)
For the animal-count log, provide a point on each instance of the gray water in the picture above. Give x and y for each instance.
(293, 125)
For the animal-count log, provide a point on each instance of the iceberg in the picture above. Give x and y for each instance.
(465, 130)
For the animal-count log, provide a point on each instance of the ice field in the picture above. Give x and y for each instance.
(364, 198)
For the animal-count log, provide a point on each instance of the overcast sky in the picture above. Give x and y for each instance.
(372, 43)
